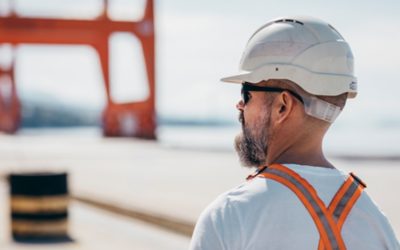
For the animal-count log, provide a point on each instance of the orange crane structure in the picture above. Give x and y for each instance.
(140, 116)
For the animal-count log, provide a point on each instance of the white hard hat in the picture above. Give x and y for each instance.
(305, 50)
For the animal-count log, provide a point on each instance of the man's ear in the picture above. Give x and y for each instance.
(283, 106)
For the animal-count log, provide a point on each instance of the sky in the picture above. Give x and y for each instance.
(215, 35)
(198, 42)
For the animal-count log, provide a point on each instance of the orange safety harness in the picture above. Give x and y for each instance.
(329, 220)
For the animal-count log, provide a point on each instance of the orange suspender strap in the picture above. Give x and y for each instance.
(324, 221)
(344, 200)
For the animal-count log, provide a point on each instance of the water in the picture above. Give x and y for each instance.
(339, 141)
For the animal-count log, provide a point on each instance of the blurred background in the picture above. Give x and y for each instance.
(65, 108)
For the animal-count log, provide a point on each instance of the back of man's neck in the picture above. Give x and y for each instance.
(310, 156)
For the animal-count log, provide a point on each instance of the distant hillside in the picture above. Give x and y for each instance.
(40, 110)
(50, 113)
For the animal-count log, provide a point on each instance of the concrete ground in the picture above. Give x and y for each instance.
(163, 181)
(91, 228)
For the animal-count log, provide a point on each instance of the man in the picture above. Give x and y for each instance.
(296, 75)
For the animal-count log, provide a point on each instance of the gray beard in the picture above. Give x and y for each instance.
(252, 147)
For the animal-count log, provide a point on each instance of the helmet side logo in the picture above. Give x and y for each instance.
(353, 86)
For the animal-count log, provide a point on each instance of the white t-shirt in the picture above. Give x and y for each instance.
(264, 214)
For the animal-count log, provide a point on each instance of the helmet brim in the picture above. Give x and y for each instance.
(335, 84)
(240, 78)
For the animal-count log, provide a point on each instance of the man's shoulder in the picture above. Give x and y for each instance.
(232, 216)
(228, 215)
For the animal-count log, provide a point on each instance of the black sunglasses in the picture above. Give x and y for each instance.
(246, 87)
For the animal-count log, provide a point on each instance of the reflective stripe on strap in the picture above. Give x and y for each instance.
(343, 201)
(354, 192)
(327, 228)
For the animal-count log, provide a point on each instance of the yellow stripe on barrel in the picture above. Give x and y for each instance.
(52, 228)
(32, 204)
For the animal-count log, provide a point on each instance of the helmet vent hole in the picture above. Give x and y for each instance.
(288, 21)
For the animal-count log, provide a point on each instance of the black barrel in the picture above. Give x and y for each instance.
(39, 207)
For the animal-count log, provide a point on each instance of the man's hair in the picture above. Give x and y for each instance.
(339, 100)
